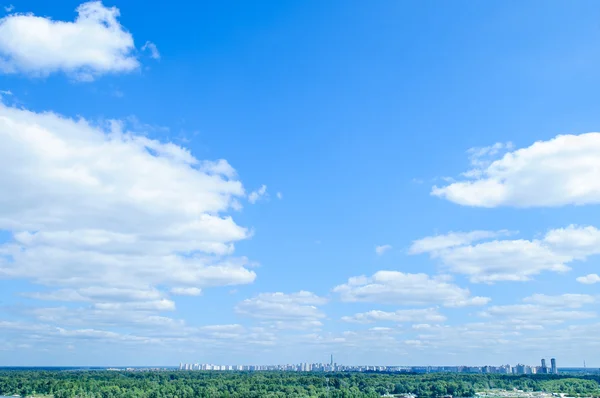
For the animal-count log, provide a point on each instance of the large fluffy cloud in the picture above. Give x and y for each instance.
(393, 287)
(512, 260)
(109, 217)
(564, 170)
(95, 43)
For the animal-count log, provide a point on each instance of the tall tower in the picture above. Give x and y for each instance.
(544, 367)
(553, 366)
(331, 363)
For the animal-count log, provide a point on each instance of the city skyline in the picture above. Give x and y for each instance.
(333, 366)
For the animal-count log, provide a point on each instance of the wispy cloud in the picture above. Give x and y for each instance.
(151, 47)
(260, 193)
(380, 250)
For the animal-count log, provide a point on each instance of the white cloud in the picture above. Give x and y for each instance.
(113, 219)
(142, 316)
(509, 260)
(451, 239)
(151, 47)
(393, 287)
(399, 316)
(156, 305)
(541, 309)
(299, 308)
(279, 195)
(514, 260)
(258, 194)
(561, 301)
(589, 279)
(186, 291)
(9, 8)
(94, 44)
(96, 293)
(482, 157)
(535, 314)
(561, 171)
(380, 250)
(575, 241)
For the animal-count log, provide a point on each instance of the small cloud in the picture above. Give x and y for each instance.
(417, 181)
(236, 205)
(382, 249)
(5, 92)
(9, 8)
(589, 279)
(118, 93)
(258, 194)
(151, 47)
(279, 195)
(186, 291)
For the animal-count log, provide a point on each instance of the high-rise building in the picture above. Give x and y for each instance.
(553, 366)
(544, 367)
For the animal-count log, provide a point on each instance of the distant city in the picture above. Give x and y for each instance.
(519, 369)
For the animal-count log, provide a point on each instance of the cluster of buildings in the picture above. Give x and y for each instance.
(334, 367)
(544, 369)
(303, 367)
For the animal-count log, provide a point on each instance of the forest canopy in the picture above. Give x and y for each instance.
(117, 384)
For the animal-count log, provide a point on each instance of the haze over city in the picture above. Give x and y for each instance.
(397, 183)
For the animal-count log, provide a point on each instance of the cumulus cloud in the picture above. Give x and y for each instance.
(260, 193)
(513, 260)
(44, 336)
(93, 44)
(281, 308)
(531, 314)
(157, 305)
(399, 316)
(561, 301)
(589, 279)
(393, 287)
(279, 195)
(98, 293)
(541, 309)
(562, 171)
(113, 219)
(380, 250)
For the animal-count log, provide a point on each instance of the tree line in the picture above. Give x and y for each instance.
(117, 384)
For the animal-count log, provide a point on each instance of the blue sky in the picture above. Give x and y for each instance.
(272, 182)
